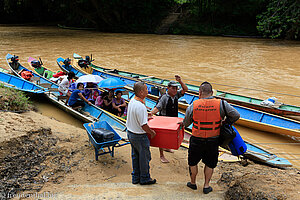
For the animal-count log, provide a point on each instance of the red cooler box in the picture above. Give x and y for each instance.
(169, 134)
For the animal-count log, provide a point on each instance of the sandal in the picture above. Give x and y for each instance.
(207, 190)
(192, 186)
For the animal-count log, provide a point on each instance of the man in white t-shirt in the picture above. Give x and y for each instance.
(137, 130)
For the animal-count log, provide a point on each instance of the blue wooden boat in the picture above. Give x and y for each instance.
(40, 69)
(249, 117)
(60, 62)
(189, 97)
(254, 152)
(11, 81)
(263, 156)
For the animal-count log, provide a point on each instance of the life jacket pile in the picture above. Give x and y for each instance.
(58, 74)
(26, 75)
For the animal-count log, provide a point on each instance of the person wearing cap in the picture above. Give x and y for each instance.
(167, 105)
(206, 114)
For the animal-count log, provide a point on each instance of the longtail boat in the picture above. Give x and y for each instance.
(37, 66)
(254, 103)
(249, 117)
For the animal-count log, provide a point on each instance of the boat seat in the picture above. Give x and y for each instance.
(145, 77)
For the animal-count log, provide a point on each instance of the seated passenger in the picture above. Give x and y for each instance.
(65, 84)
(119, 104)
(95, 95)
(107, 101)
(89, 89)
(76, 99)
(100, 99)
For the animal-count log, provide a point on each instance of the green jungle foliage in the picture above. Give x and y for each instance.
(13, 100)
(281, 20)
(219, 17)
(268, 18)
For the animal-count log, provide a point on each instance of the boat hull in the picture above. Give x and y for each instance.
(20, 84)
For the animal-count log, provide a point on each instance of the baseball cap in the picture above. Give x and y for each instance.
(172, 84)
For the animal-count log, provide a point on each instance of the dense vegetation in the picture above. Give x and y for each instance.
(281, 19)
(268, 18)
(13, 100)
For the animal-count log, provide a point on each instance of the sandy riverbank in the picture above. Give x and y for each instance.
(42, 155)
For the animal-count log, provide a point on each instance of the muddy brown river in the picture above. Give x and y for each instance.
(258, 68)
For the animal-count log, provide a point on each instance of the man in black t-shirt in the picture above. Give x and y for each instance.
(167, 105)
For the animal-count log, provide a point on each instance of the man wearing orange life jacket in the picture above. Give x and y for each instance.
(206, 114)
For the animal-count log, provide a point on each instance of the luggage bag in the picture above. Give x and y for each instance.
(102, 135)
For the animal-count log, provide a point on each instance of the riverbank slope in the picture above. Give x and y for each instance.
(43, 155)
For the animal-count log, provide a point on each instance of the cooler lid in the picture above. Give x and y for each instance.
(162, 122)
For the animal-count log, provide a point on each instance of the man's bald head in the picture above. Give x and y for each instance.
(205, 89)
(138, 88)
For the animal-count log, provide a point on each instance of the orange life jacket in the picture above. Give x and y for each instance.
(26, 75)
(206, 118)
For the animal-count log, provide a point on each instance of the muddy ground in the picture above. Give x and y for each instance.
(42, 158)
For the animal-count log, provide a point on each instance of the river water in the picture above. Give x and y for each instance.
(253, 67)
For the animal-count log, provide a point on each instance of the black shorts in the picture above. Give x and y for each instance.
(78, 103)
(205, 149)
(116, 112)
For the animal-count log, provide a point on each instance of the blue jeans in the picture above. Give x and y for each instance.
(141, 156)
